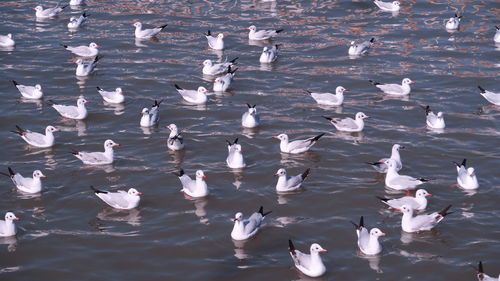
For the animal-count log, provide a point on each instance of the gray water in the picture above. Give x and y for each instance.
(66, 232)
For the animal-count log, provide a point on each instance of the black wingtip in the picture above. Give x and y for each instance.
(65, 46)
(99, 88)
(279, 30)
(20, 131)
(177, 87)
(51, 102)
(291, 247)
(307, 91)
(498, 28)
(445, 212)
(480, 267)
(464, 162)
(96, 191)
(305, 173)
(249, 106)
(261, 211)
(228, 143)
(481, 89)
(427, 109)
(424, 179)
(235, 141)
(157, 103)
(373, 163)
(374, 83)
(234, 60)
(11, 172)
(231, 71)
(208, 33)
(85, 14)
(15, 83)
(97, 59)
(316, 138)
(163, 26)
(382, 198)
(372, 40)
(327, 118)
(74, 152)
(361, 222)
(64, 6)
(180, 174)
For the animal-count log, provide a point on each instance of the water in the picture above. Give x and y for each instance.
(68, 233)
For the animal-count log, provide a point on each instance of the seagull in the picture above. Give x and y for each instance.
(216, 43)
(309, 264)
(395, 89)
(329, 98)
(76, 22)
(359, 49)
(490, 96)
(497, 35)
(419, 202)
(400, 182)
(296, 146)
(98, 158)
(466, 178)
(481, 276)
(410, 223)
(262, 34)
(195, 188)
(7, 41)
(453, 23)
(348, 124)
(175, 140)
(380, 165)
(251, 118)
(115, 96)
(37, 139)
(289, 183)
(234, 158)
(85, 68)
(78, 112)
(269, 55)
(29, 92)
(368, 240)
(387, 6)
(147, 33)
(28, 185)
(435, 121)
(245, 229)
(221, 84)
(84, 51)
(210, 68)
(151, 117)
(192, 96)
(49, 12)
(76, 2)
(124, 200)
(7, 226)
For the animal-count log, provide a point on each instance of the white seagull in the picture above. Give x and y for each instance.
(289, 183)
(348, 124)
(221, 84)
(29, 92)
(400, 182)
(28, 185)
(78, 112)
(49, 12)
(453, 23)
(269, 55)
(329, 98)
(359, 49)
(466, 178)
(380, 165)
(234, 158)
(490, 96)
(195, 188)
(481, 276)
(76, 22)
(216, 43)
(98, 158)
(410, 223)
(253, 34)
(210, 68)
(76, 2)
(84, 68)
(196, 97)
(497, 35)
(7, 40)
(124, 200)
(115, 96)
(419, 202)
(395, 89)
(309, 264)
(151, 117)
(37, 139)
(175, 140)
(388, 6)
(89, 51)
(148, 32)
(7, 226)
(435, 121)
(251, 118)
(245, 229)
(296, 146)
(368, 240)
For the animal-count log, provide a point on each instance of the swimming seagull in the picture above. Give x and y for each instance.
(37, 139)
(490, 96)
(76, 22)
(419, 202)
(49, 12)
(195, 188)
(348, 124)
(290, 183)
(124, 200)
(89, 51)
(246, 229)
(78, 112)
(253, 34)
(210, 68)
(28, 185)
(216, 43)
(29, 92)
(251, 118)
(84, 68)
(296, 146)
(453, 23)
(115, 96)
(234, 158)
(98, 158)
(329, 98)
(221, 84)
(76, 2)
(435, 121)
(388, 6)
(466, 178)
(196, 97)
(410, 223)
(481, 276)
(400, 182)
(368, 240)
(151, 117)
(395, 89)
(175, 140)
(359, 49)
(7, 40)
(309, 264)
(497, 35)
(7, 226)
(148, 32)
(269, 55)
(380, 165)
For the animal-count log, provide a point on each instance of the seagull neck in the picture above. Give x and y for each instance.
(10, 226)
(281, 182)
(109, 151)
(373, 242)
(284, 145)
(238, 227)
(395, 155)
(173, 133)
(391, 172)
(49, 136)
(316, 259)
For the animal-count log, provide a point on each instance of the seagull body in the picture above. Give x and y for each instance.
(296, 146)
(481, 276)
(410, 223)
(37, 139)
(251, 118)
(329, 98)
(490, 96)
(193, 96)
(28, 185)
(435, 121)
(195, 188)
(453, 23)
(148, 32)
(76, 2)
(400, 182)
(210, 68)
(309, 264)
(269, 55)
(78, 112)
(76, 22)
(253, 34)
(49, 12)
(84, 51)
(29, 92)
(151, 117)
(394, 89)
(466, 178)
(221, 84)
(175, 140)
(7, 226)
(7, 41)
(289, 183)
(497, 35)
(418, 203)
(380, 165)
(387, 6)
(360, 49)
(98, 158)
(368, 240)
(124, 200)
(85, 68)
(115, 96)
(246, 229)
(216, 43)
(348, 124)
(234, 158)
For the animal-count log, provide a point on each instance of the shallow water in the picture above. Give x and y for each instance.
(67, 231)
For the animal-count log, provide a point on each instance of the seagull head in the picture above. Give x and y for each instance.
(408, 81)
(376, 232)
(396, 3)
(202, 90)
(397, 147)
(237, 147)
(200, 174)
(470, 172)
(93, 45)
(133, 192)
(440, 114)
(51, 129)
(172, 128)
(220, 36)
(281, 137)
(9, 35)
(207, 63)
(421, 193)
(110, 143)
(237, 217)
(391, 163)
(137, 25)
(340, 90)
(265, 49)
(38, 174)
(82, 101)
(38, 8)
(361, 115)
(9, 216)
(406, 209)
(119, 90)
(38, 87)
(145, 111)
(281, 172)
(252, 28)
(316, 248)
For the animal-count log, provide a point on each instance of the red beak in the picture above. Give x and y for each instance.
(275, 137)
(428, 194)
(413, 82)
(139, 193)
(87, 101)
(382, 234)
(346, 90)
(204, 177)
(117, 144)
(324, 251)
(17, 219)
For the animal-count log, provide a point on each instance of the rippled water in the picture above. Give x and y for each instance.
(67, 233)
